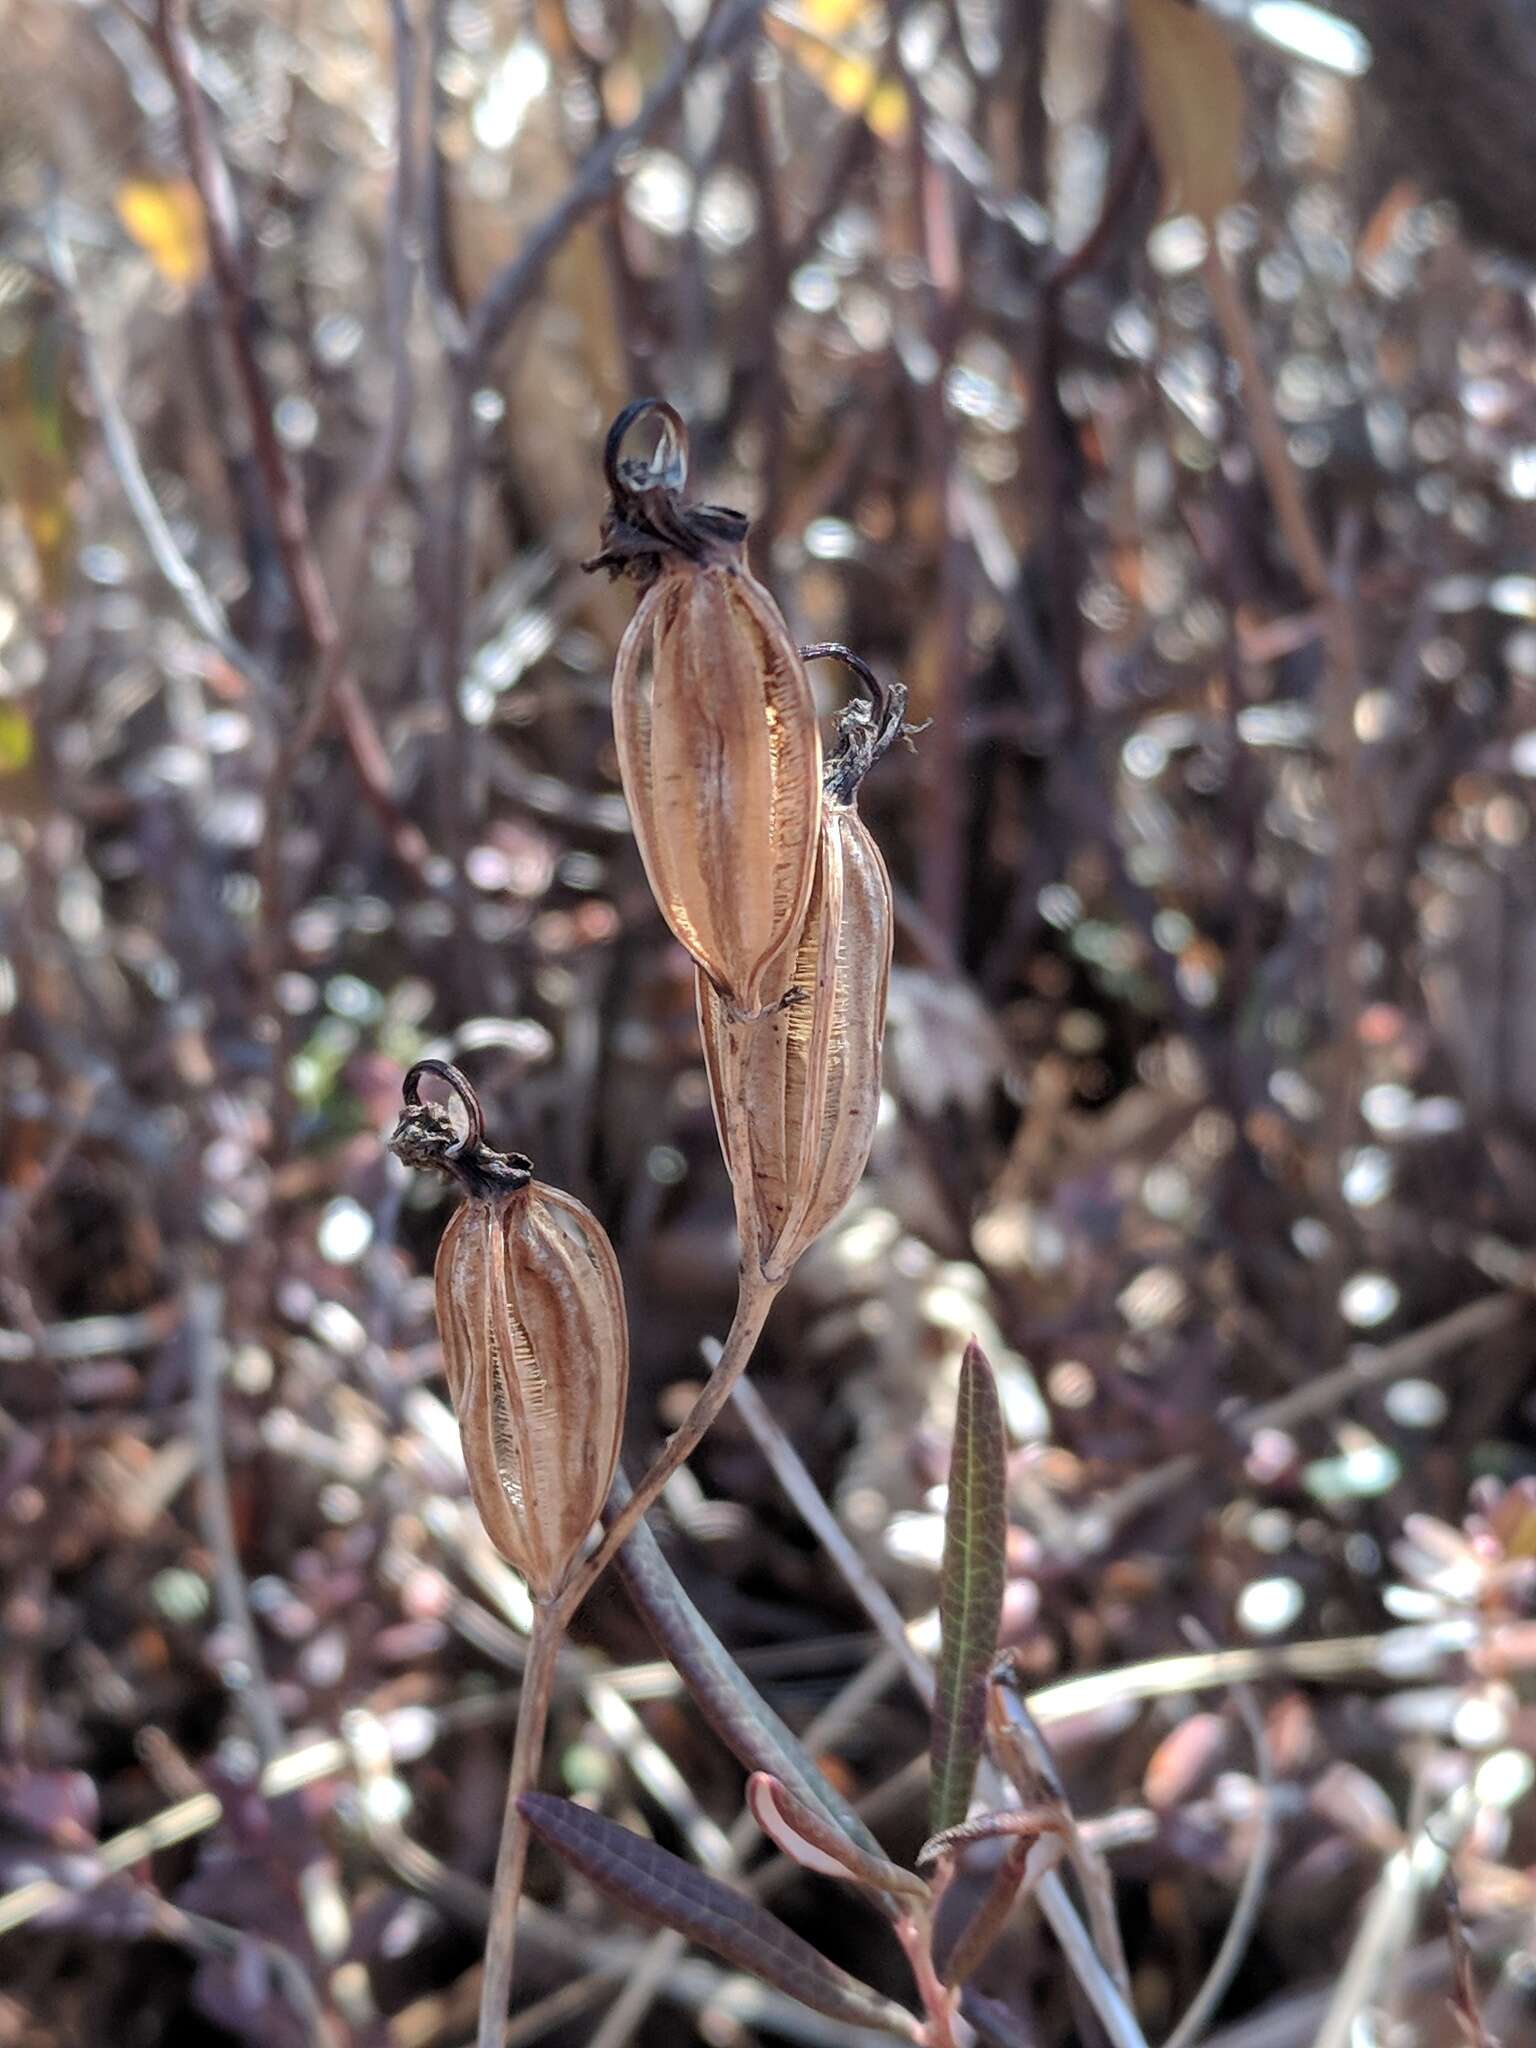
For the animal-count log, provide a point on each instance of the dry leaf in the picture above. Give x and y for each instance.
(831, 42)
(165, 218)
(1193, 96)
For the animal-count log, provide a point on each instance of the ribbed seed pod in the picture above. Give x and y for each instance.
(530, 1309)
(715, 726)
(797, 1092)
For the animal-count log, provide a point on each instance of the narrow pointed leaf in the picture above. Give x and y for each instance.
(651, 1881)
(811, 1840)
(732, 1706)
(970, 1590)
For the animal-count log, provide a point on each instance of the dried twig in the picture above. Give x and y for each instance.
(196, 599)
(1274, 457)
(285, 503)
(204, 1326)
(1373, 1366)
(509, 291)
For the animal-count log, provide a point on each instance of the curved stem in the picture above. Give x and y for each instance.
(669, 465)
(755, 1297)
(410, 1093)
(512, 1857)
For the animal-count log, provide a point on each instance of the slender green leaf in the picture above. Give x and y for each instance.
(970, 1590)
(737, 1712)
(662, 1887)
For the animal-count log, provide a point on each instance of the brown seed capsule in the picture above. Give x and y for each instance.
(797, 1093)
(715, 727)
(530, 1309)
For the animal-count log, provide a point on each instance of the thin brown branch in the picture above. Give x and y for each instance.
(510, 289)
(512, 1857)
(284, 500)
(203, 1325)
(1269, 446)
(197, 601)
(1421, 1351)
(399, 287)
(756, 1298)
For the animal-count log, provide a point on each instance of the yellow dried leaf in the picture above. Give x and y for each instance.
(15, 740)
(165, 218)
(1192, 93)
(835, 42)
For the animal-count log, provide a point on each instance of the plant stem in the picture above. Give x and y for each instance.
(915, 1933)
(501, 1939)
(1279, 471)
(755, 1297)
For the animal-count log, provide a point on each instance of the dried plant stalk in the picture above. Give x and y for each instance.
(797, 1093)
(715, 726)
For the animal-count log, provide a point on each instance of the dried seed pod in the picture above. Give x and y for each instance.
(715, 727)
(797, 1093)
(530, 1309)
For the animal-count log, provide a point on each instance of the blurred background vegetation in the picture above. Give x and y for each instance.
(1152, 391)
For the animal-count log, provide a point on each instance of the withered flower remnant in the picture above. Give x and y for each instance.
(715, 726)
(530, 1310)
